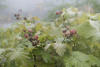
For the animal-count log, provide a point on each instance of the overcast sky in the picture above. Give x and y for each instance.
(29, 7)
(25, 5)
(35, 7)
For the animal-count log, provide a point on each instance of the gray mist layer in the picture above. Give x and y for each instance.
(28, 7)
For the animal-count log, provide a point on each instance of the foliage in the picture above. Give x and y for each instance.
(72, 40)
(79, 59)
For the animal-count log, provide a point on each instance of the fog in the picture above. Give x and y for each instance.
(27, 7)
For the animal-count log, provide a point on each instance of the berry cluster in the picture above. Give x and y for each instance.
(17, 16)
(69, 33)
(33, 39)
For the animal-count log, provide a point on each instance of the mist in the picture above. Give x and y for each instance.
(28, 8)
(38, 8)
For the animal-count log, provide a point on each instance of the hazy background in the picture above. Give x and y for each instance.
(40, 8)
(29, 8)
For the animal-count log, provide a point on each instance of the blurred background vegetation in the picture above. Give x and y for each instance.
(84, 5)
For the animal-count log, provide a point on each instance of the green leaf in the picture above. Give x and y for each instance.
(46, 57)
(78, 59)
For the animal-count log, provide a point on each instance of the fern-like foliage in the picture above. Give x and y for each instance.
(78, 59)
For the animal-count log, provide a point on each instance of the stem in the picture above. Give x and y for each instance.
(55, 63)
(0, 65)
(74, 47)
(35, 61)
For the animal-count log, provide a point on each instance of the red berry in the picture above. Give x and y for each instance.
(64, 31)
(26, 35)
(36, 37)
(30, 30)
(73, 31)
(58, 12)
(24, 30)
